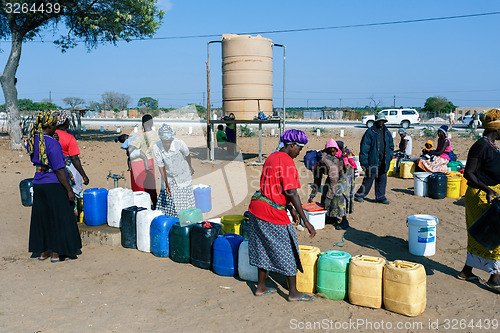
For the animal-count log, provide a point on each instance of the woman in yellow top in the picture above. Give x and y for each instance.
(482, 172)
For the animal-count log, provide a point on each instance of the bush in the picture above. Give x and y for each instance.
(246, 131)
(430, 131)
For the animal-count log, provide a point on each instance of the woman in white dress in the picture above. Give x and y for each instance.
(174, 162)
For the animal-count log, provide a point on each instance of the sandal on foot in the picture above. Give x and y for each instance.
(42, 259)
(270, 291)
(468, 278)
(60, 259)
(493, 287)
(305, 298)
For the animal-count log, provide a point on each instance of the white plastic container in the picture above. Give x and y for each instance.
(422, 234)
(317, 219)
(245, 270)
(118, 198)
(420, 183)
(144, 219)
(142, 199)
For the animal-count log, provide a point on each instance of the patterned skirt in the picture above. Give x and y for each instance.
(182, 197)
(342, 202)
(475, 205)
(273, 247)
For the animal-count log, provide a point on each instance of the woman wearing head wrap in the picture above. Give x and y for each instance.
(53, 228)
(174, 161)
(71, 152)
(482, 172)
(440, 157)
(338, 190)
(272, 241)
(142, 171)
(404, 149)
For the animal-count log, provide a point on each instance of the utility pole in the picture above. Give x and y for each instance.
(394, 101)
(308, 104)
(203, 99)
(340, 104)
(50, 96)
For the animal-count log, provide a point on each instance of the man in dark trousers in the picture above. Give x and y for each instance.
(376, 152)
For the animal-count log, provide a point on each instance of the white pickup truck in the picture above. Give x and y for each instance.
(402, 117)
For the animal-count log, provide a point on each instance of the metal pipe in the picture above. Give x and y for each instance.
(284, 76)
(209, 109)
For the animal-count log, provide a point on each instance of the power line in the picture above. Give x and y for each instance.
(348, 26)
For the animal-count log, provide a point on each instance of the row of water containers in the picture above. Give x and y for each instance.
(439, 185)
(101, 206)
(366, 281)
(187, 239)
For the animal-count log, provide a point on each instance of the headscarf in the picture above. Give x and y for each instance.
(62, 117)
(345, 154)
(166, 132)
(43, 119)
(294, 136)
(491, 120)
(401, 130)
(332, 144)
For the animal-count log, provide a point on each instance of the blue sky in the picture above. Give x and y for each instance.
(457, 59)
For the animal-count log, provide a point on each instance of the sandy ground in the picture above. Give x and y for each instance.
(113, 289)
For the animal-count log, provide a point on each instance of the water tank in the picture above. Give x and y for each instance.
(247, 75)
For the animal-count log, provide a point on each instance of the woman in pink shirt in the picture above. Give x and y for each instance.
(439, 157)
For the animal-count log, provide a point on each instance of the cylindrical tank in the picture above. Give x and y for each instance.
(160, 235)
(190, 215)
(128, 228)
(404, 285)
(180, 250)
(225, 260)
(95, 206)
(203, 197)
(142, 199)
(26, 189)
(144, 219)
(365, 281)
(202, 239)
(332, 274)
(247, 75)
(118, 198)
(306, 282)
(437, 185)
(245, 270)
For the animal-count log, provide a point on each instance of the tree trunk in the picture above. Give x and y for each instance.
(7, 79)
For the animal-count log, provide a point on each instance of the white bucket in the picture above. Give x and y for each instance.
(317, 219)
(422, 234)
(420, 183)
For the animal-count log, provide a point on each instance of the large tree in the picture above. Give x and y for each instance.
(111, 100)
(93, 22)
(438, 104)
(148, 102)
(73, 102)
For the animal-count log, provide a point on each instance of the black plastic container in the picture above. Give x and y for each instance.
(437, 185)
(26, 189)
(180, 250)
(128, 226)
(202, 240)
(486, 229)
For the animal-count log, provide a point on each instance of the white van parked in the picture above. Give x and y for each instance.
(402, 117)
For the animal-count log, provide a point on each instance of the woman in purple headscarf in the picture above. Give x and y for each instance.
(272, 241)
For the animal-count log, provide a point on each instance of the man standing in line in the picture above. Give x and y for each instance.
(451, 119)
(376, 152)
